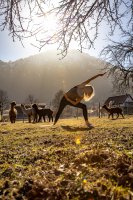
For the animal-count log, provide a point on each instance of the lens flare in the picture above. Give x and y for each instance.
(78, 141)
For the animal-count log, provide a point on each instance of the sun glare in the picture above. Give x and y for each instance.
(43, 23)
(50, 23)
(47, 26)
(44, 26)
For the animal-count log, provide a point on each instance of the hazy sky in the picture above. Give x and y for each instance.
(10, 51)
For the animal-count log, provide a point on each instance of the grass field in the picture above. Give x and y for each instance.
(67, 161)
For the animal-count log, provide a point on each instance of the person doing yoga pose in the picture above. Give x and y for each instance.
(74, 97)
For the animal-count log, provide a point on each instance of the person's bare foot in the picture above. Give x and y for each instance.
(89, 125)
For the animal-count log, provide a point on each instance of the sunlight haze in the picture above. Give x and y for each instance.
(11, 51)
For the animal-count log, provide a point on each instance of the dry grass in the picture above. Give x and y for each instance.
(67, 161)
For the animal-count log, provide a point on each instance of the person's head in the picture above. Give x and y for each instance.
(88, 92)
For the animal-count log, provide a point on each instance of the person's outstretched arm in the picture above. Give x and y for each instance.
(90, 79)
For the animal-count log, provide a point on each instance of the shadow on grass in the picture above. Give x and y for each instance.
(117, 118)
(74, 129)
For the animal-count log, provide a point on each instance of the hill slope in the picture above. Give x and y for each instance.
(44, 74)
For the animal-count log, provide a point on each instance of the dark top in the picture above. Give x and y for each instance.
(72, 94)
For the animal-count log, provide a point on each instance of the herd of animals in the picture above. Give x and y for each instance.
(34, 112)
(39, 113)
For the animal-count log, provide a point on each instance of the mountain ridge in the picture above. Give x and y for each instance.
(43, 74)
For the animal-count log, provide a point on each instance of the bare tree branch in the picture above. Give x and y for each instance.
(79, 20)
(119, 55)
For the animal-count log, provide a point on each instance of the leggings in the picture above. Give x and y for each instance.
(64, 103)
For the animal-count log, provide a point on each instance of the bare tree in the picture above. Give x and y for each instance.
(31, 99)
(57, 98)
(4, 101)
(78, 20)
(120, 62)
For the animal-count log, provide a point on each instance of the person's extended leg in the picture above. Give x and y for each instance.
(85, 114)
(62, 105)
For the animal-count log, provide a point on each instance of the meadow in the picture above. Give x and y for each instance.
(67, 161)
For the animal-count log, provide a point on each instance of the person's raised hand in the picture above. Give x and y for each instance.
(102, 74)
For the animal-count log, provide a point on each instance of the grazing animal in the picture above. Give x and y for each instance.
(29, 112)
(113, 111)
(12, 112)
(43, 112)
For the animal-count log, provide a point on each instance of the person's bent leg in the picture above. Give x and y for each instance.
(85, 114)
(62, 105)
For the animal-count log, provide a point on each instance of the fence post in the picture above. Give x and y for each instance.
(23, 117)
(77, 113)
(99, 112)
